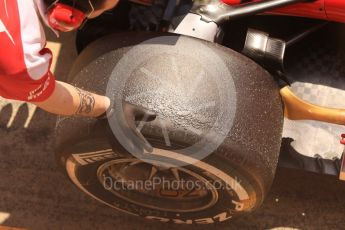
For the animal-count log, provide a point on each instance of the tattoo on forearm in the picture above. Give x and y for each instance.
(87, 102)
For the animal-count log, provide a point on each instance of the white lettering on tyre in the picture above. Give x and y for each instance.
(208, 220)
(237, 187)
(92, 157)
(242, 194)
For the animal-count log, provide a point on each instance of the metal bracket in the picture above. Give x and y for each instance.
(193, 26)
(220, 12)
(203, 20)
(268, 52)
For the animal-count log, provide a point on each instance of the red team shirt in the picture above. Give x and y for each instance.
(24, 61)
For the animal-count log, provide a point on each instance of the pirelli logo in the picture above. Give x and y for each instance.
(92, 157)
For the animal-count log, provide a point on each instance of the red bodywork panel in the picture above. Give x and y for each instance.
(335, 10)
(332, 10)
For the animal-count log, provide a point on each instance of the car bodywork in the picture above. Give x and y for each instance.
(332, 10)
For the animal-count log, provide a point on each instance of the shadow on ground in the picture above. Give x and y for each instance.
(37, 196)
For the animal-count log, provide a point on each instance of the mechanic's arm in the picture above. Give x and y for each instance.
(71, 101)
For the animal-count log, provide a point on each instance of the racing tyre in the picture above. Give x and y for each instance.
(216, 138)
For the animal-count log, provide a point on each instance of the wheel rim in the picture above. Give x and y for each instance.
(165, 189)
